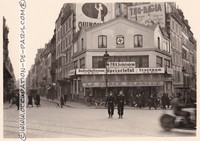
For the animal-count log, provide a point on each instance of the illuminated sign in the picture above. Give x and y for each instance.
(148, 14)
(93, 14)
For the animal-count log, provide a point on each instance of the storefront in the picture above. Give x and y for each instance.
(146, 81)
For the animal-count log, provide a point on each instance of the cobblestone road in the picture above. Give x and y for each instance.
(50, 121)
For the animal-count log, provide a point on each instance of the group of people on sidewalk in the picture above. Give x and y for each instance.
(111, 102)
(16, 100)
(36, 100)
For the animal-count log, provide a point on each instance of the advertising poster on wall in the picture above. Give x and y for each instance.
(148, 14)
(93, 14)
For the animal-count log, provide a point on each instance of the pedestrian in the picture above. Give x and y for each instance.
(167, 100)
(37, 100)
(61, 101)
(120, 104)
(163, 101)
(110, 102)
(65, 98)
(17, 100)
(139, 101)
(30, 100)
(152, 102)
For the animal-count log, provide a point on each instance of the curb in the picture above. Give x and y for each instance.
(56, 102)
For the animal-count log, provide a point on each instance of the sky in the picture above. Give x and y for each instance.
(40, 24)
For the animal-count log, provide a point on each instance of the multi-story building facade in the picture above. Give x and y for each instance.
(8, 72)
(81, 28)
(174, 24)
(52, 88)
(46, 68)
(188, 55)
(53, 58)
(148, 49)
(64, 34)
(39, 63)
(31, 79)
(172, 20)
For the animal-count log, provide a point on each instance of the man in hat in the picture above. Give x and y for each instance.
(110, 102)
(120, 104)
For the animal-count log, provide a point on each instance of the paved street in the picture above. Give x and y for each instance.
(75, 120)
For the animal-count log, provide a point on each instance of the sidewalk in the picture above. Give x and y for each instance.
(8, 105)
(84, 106)
(67, 104)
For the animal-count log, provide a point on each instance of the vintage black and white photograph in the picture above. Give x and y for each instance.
(99, 69)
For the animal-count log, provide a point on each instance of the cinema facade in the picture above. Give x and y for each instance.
(139, 60)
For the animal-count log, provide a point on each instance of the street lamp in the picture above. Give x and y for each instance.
(183, 71)
(106, 57)
(184, 84)
(165, 80)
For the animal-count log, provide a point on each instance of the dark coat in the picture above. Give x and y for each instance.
(110, 101)
(62, 101)
(37, 99)
(120, 100)
(30, 100)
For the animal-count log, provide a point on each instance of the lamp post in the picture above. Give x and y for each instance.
(165, 80)
(184, 85)
(106, 57)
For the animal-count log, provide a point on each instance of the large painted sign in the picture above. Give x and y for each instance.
(124, 84)
(148, 14)
(119, 70)
(93, 14)
(121, 64)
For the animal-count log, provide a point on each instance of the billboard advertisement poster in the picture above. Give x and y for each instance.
(93, 14)
(148, 14)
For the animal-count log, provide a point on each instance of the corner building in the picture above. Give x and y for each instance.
(146, 48)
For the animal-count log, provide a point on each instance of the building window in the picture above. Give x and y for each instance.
(158, 42)
(76, 47)
(70, 56)
(193, 59)
(158, 61)
(82, 62)
(140, 61)
(61, 46)
(172, 25)
(167, 63)
(76, 64)
(138, 41)
(64, 44)
(70, 23)
(102, 41)
(97, 62)
(70, 39)
(66, 57)
(82, 44)
(184, 54)
(168, 47)
(66, 26)
(63, 30)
